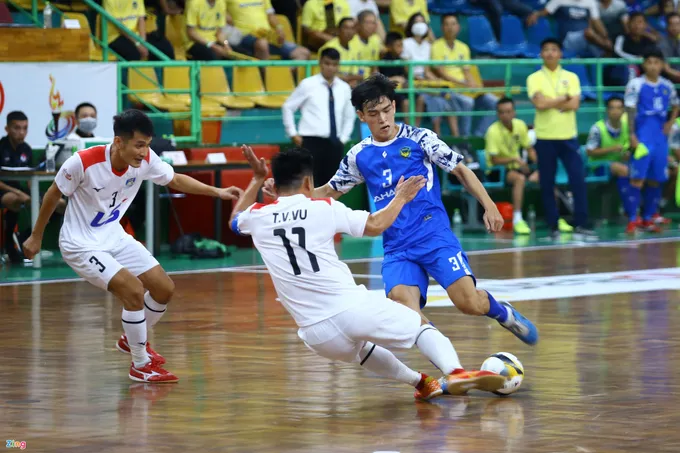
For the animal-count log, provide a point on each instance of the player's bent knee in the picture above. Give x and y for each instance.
(163, 292)
(467, 298)
(129, 289)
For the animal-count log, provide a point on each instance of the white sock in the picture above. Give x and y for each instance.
(134, 325)
(437, 348)
(382, 362)
(153, 310)
(517, 217)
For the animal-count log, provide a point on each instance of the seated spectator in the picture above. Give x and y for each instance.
(635, 43)
(449, 48)
(418, 48)
(366, 42)
(504, 141)
(350, 74)
(15, 152)
(614, 17)
(86, 121)
(132, 14)
(494, 9)
(207, 39)
(402, 10)
(394, 44)
(321, 21)
(580, 29)
(356, 7)
(263, 35)
(670, 47)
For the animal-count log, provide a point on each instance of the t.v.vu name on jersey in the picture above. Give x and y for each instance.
(380, 197)
(298, 214)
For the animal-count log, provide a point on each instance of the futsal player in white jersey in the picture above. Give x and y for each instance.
(101, 182)
(336, 318)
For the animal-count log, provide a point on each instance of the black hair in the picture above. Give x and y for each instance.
(290, 166)
(669, 16)
(393, 37)
(505, 100)
(614, 98)
(343, 20)
(409, 24)
(547, 41)
(447, 15)
(365, 13)
(330, 53)
(16, 115)
(83, 105)
(128, 122)
(372, 90)
(635, 14)
(653, 53)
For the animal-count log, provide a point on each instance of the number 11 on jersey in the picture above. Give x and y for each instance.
(301, 234)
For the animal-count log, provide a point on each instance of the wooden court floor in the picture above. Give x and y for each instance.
(602, 379)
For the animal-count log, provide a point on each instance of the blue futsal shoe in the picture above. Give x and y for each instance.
(523, 329)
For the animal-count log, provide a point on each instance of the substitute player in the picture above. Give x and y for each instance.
(101, 182)
(337, 319)
(647, 100)
(420, 242)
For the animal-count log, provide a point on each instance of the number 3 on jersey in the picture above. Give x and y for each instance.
(300, 232)
(388, 178)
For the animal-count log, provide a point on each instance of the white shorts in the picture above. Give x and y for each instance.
(99, 267)
(378, 320)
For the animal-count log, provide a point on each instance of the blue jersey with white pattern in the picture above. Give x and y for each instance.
(380, 165)
(652, 101)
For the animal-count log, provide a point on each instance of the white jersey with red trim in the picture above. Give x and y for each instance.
(99, 195)
(294, 235)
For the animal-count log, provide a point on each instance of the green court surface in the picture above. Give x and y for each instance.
(366, 250)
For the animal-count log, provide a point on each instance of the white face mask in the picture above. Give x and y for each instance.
(419, 29)
(87, 125)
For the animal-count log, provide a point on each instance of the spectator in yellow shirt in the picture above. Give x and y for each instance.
(402, 10)
(206, 20)
(504, 140)
(449, 48)
(132, 14)
(321, 21)
(263, 35)
(366, 42)
(350, 74)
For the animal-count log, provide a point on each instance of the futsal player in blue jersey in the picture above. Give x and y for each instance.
(420, 242)
(647, 101)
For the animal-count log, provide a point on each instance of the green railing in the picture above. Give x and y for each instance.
(517, 91)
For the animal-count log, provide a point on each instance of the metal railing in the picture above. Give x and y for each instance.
(517, 91)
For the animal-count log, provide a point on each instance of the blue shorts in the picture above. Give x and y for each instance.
(441, 257)
(247, 46)
(653, 166)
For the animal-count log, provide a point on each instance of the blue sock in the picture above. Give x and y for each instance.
(633, 203)
(651, 197)
(496, 310)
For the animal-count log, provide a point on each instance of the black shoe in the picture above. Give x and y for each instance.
(15, 256)
(585, 234)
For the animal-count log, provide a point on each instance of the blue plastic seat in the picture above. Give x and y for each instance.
(482, 39)
(513, 42)
(535, 35)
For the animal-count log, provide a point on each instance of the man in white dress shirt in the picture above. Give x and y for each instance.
(322, 133)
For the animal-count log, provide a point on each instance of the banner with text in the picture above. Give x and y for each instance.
(48, 94)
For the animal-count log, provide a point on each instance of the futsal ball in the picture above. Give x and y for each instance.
(506, 365)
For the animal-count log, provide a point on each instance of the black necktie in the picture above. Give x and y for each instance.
(331, 112)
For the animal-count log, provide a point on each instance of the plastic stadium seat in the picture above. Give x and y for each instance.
(287, 28)
(535, 35)
(214, 80)
(175, 32)
(279, 79)
(177, 78)
(587, 91)
(145, 79)
(482, 39)
(513, 43)
(248, 80)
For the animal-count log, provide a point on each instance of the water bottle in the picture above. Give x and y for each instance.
(457, 221)
(532, 218)
(51, 151)
(47, 16)
(50, 165)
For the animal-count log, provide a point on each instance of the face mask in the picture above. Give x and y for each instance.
(419, 29)
(87, 125)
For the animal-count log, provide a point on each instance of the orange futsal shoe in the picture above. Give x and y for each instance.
(632, 227)
(428, 388)
(460, 381)
(123, 346)
(650, 227)
(152, 373)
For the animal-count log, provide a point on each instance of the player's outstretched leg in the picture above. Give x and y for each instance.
(471, 301)
(161, 289)
(383, 363)
(130, 291)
